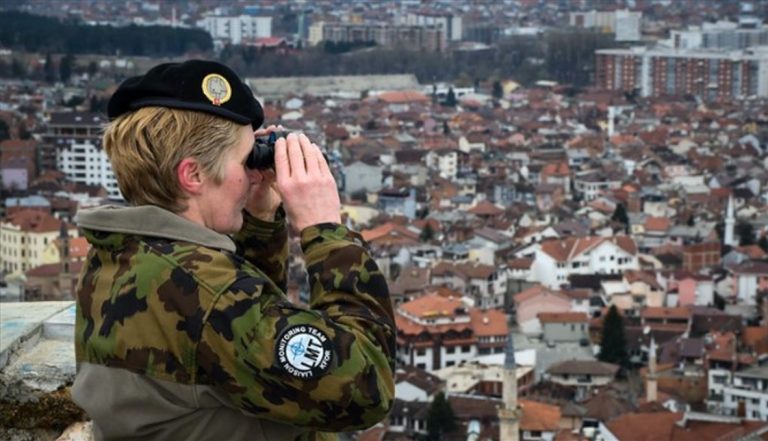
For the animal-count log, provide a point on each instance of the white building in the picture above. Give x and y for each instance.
(720, 35)
(557, 259)
(446, 162)
(76, 138)
(747, 389)
(451, 24)
(24, 237)
(236, 30)
(624, 23)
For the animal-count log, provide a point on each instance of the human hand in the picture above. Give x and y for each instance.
(305, 182)
(264, 198)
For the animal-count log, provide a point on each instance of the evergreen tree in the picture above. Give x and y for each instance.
(427, 233)
(450, 99)
(50, 70)
(620, 215)
(440, 418)
(498, 91)
(746, 233)
(613, 346)
(65, 67)
(446, 129)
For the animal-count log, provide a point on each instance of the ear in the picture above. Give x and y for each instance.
(190, 176)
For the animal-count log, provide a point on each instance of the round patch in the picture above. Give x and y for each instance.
(217, 89)
(304, 351)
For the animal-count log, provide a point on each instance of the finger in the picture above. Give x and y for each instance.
(282, 164)
(265, 130)
(322, 164)
(296, 156)
(311, 153)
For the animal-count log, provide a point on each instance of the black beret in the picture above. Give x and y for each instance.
(204, 86)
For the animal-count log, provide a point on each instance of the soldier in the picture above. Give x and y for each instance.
(183, 328)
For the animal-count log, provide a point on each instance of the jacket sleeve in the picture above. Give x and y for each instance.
(265, 246)
(329, 367)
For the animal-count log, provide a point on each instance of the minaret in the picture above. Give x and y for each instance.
(509, 413)
(651, 386)
(730, 222)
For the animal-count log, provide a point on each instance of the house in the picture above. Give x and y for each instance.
(534, 301)
(679, 426)
(24, 237)
(413, 384)
(747, 394)
(678, 318)
(556, 260)
(564, 326)
(478, 378)
(584, 375)
(485, 284)
(361, 177)
(748, 278)
(435, 332)
(539, 421)
(692, 289)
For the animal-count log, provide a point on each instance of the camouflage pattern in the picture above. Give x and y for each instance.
(179, 311)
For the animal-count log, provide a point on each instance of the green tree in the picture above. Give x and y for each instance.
(440, 418)
(613, 346)
(450, 99)
(620, 215)
(746, 233)
(498, 91)
(50, 69)
(427, 233)
(5, 133)
(65, 67)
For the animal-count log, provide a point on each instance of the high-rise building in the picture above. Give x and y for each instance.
(417, 37)
(75, 140)
(720, 35)
(236, 29)
(624, 23)
(709, 74)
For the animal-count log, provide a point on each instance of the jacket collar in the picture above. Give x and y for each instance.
(149, 220)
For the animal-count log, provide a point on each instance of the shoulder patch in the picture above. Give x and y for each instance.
(304, 351)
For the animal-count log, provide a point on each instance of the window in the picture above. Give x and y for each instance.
(465, 349)
(450, 350)
(421, 352)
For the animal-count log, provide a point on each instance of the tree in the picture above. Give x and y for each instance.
(427, 233)
(613, 346)
(5, 133)
(620, 215)
(440, 418)
(450, 99)
(746, 233)
(65, 67)
(498, 91)
(50, 70)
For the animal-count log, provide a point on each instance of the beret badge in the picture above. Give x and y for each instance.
(217, 89)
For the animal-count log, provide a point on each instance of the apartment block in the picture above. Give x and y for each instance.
(75, 140)
(709, 74)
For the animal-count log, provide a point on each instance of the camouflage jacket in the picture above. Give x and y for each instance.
(183, 333)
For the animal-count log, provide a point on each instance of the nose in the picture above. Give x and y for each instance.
(254, 176)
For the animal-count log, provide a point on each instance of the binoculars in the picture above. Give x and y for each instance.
(262, 156)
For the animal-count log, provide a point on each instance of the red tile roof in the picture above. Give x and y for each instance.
(570, 248)
(402, 97)
(539, 417)
(34, 221)
(563, 317)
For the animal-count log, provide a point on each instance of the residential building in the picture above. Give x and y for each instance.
(560, 327)
(24, 237)
(748, 278)
(557, 259)
(449, 23)
(584, 375)
(361, 177)
(485, 284)
(623, 22)
(417, 37)
(236, 29)
(719, 35)
(709, 74)
(434, 332)
(75, 137)
(532, 302)
(743, 393)
(673, 426)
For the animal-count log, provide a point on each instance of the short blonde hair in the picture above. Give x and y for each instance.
(146, 146)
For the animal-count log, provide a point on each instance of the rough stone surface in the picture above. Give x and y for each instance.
(37, 368)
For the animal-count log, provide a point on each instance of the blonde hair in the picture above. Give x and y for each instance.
(146, 146)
